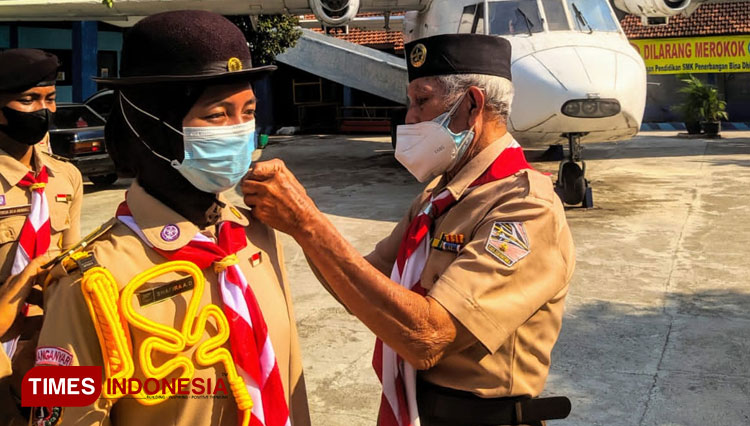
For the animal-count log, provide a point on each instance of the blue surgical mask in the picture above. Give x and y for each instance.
(216, 158)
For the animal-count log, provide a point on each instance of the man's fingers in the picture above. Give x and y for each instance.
(264, 170)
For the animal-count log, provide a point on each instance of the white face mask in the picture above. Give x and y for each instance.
(430, 148)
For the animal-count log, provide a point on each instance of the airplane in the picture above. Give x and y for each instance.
(577, 78)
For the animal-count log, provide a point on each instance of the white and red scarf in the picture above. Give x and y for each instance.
(252, 350)
(398, 403)
(35, 235)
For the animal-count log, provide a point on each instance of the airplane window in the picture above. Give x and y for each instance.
(506, 18)
(592, 15)
(554, 11)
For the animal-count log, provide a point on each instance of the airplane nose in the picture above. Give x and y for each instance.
(557, 75)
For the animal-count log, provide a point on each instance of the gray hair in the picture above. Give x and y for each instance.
(498, 91)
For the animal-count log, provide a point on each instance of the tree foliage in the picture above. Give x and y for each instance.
(273, 35)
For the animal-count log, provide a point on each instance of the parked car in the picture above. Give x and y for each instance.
(77, 134)
(101, 102)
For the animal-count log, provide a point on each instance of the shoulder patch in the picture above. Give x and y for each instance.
(90, 238)
(52, 355)
(508, 242)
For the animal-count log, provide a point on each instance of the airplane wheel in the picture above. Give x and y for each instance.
(574, 183)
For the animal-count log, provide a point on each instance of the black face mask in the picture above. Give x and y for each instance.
(27, 128)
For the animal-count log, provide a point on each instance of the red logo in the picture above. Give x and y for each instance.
(61, 386)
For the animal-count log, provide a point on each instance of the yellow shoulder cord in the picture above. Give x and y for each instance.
(161, 338)
(101, 294)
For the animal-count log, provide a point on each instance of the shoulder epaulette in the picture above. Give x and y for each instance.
(81, 245)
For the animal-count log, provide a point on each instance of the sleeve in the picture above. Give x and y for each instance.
(512, 266)
(72, 235)
(69, 330)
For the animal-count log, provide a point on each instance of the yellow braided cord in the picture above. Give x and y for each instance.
(35, 186)
(101, 294)
(169, 341)
(221, 265)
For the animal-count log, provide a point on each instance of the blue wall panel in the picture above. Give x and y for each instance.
(4, 36)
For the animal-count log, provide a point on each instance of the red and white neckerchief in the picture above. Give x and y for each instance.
(252, 350)
(398, 403)
(35, 235)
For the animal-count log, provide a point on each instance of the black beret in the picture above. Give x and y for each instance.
(449, 54)
(184, 46)
(22, 69)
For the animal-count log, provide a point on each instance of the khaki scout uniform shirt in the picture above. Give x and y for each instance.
(69, 326)
(64, 192)
(515, 312)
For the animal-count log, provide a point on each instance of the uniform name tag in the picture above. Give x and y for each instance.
(16, 211)
(166, 291)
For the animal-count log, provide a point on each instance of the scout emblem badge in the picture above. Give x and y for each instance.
(2, 200)
(508, 242)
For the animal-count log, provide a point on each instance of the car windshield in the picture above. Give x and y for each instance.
(506, 18)
(592, 15)
(75, 117)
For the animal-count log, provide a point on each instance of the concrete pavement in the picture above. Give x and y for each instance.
(657, 327)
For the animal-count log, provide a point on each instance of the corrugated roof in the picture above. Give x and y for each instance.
(709, 19)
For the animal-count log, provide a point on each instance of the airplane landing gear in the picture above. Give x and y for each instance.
(572, 185)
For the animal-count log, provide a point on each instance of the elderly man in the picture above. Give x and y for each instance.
(466, 295)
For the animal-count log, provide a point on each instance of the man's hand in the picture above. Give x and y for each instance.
(278, 199)
(16, 289)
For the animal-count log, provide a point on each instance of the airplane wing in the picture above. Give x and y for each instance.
(330, 12)
(655, 12)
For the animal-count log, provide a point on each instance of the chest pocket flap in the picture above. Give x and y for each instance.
(59, 216)
(10, 228)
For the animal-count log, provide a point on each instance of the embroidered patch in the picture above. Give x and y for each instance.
(50, 355)
(46, 416)
(508, 242)
(2, 200)
(170, 233)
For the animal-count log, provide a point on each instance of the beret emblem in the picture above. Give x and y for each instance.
(418, 55)
(234, 64)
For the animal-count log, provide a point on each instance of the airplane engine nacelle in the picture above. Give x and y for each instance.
(335, 13)
(652, 8)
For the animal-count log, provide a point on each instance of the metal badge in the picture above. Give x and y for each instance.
(165, 291)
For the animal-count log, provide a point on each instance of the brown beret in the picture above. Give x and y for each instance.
(449, 54)
(22, 69)
(184, 46)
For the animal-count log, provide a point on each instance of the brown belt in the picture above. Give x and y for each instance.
(439, 405)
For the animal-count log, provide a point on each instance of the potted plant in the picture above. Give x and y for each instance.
(702, 108)
(714, 110)
(690, 108)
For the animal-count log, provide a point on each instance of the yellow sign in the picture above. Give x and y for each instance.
(695, 55)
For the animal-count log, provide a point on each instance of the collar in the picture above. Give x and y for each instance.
(472, 170)
(163, 227)
(13, 170)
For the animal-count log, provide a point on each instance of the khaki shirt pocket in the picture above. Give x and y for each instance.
(10, 229)
(59, 217)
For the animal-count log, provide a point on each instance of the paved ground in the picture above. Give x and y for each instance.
(657, 328)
